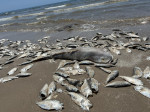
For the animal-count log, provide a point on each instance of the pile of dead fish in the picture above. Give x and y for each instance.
(100, 51)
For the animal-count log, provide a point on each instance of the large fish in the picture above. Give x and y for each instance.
(85, 53)
(143, 90)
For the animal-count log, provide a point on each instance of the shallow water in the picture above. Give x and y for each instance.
(96, 13)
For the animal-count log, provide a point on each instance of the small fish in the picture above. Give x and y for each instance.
(50, 105)
(146, 73)
(51, 96)
(23, 55)
(85, 89)
(112, 76)
(118, 84)
(8, 78)
(24, 69)
(76, 65)
(94, 85)
(114, 50)
(66, 69)
(72, 81)
(105, 70)
(132, 80)
(128, 50)
(23, 74)
(62, 74)
(90, 71)
(61, 64)
(143, 90)
(137, 72)
(51, 87)
(86, 62)
(12, 71)
(59, 90)
(13, 57)
(104, 65)
(44, 92)
(58, 79)
(8, 62)
(25, 63)
(81, 101)
(76, 72)
(71, 88)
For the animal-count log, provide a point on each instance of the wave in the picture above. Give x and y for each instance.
(6, 19)
(60, 6)
(87, 6)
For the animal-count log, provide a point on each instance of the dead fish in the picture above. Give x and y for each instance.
(24, 55)
(71, 88)
(81, 101)
(8, 78)
(8, 62)
(143, 90)
(44, 92)
(132, 35)
(51, 96)
(66, 69)
(12, 71)
(24, 69)
(76, 72)
(50, 105)
(146, 73)
(59, 90)
(58, 79)
(86, 62)
(73, 81)
(51, 87)
(25, 63)
(104, 65)
(84, 53)
(90, 71)
(85, 89)
(105, 70)
(23, 74)
(62, 74)
(94, 85)
(132, 80)
(112, 76)
(13, 57)
(61, 64)
(114, 50)
(76, 65)
(137, 72)
(118, 84)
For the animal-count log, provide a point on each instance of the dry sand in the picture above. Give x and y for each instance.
(21, 95)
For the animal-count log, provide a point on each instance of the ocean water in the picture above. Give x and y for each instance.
(77, 14)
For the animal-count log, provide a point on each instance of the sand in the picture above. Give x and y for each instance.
(22, 94)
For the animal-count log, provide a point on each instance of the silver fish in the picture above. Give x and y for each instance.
(118, 84)
(85, 89)
(146, 73)
(71, 88)
(24, 69)
(8, 78)
(50, 105)
(23, 74)
(105, 70)
(61, 64)
(12, 71)
(132, 80)
(143, 90)
(90, 71)
(112, 76)
(94, 85)
(137, 72)
(73, 81)
(76, 65)
(86, 62)
(44, 91)
(62, 74)
(81, 101)
(104, 65)
(76, 72)
(58, 79)
(66, 69)
(51, 87)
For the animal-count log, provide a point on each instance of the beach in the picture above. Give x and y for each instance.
(21, 95)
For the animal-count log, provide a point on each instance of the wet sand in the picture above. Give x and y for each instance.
(21, 95)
